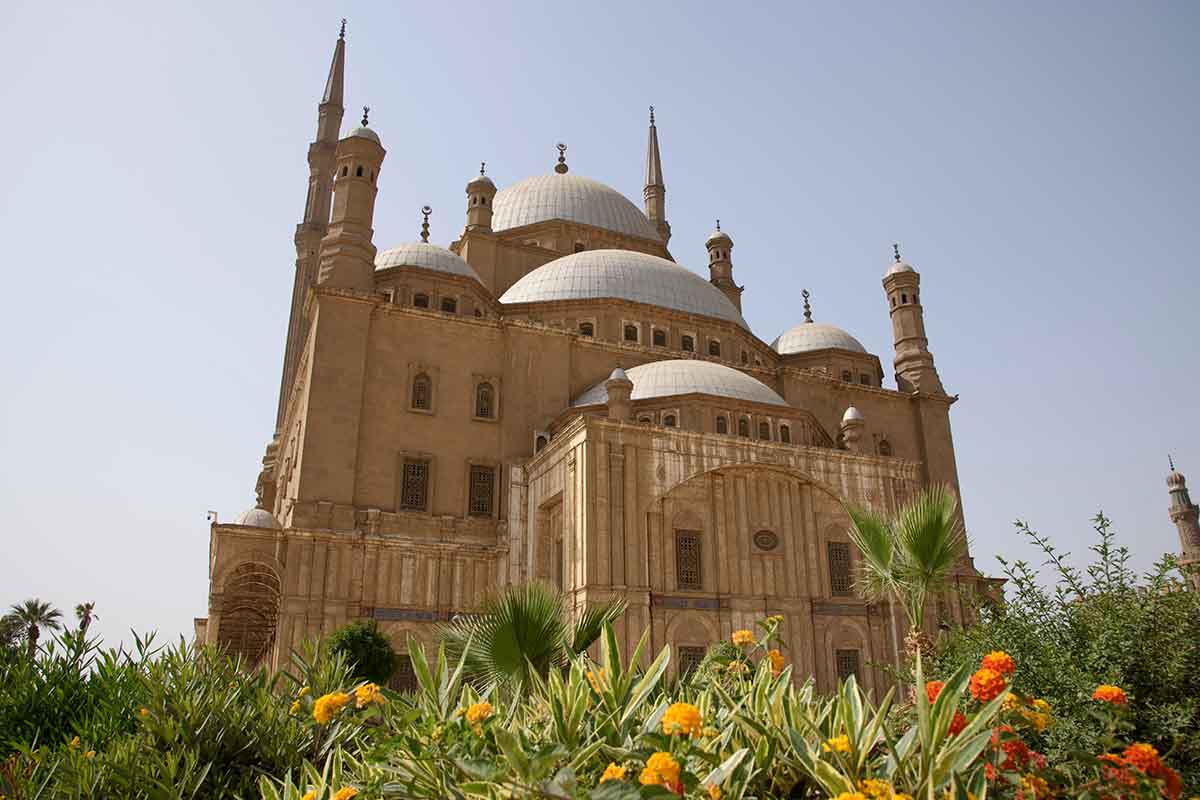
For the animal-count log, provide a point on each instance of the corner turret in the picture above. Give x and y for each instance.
(347, 251)
(915, 371)
(1186, 516)
(720, 265)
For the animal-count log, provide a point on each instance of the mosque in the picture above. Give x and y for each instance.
(553, 397)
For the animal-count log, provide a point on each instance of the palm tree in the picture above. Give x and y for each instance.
(909, 557)
(35, 615)
(521, 632)
(85, 612)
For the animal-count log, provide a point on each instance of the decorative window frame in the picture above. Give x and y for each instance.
(494, 466)
(665, 331)
(579, 323)
(458, 306)
(415, 368)
(708, 343)
(430, 481)
(637, 326)
(719, 415)
(695, 338)
(670, 412)
(429, 297)
(758, 423)
(494, 380)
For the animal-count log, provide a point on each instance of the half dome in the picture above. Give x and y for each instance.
(815, 336)
(572, 198)
(623, 275)
(257, 517)
(426, 256)
(687, 376)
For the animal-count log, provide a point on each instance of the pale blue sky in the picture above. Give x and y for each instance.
(1036, 162)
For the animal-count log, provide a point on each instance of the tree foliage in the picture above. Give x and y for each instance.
(367, 648)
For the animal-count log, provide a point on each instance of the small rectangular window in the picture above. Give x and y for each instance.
(847, 663)
(449, 305)
(847, 376)
(421, 301)
(687, 560)
(690, 658)
(414, 488)
(714, 348)
(865, 380)
(839, 568)
(687, 344)
(631, 333)
(660, 338)
(404, 679)
(483, 482)
(587, 329)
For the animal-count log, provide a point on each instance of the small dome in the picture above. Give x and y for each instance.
(809, 336)
(572, 198)
(618, 374)
(257, 517)
(480, 182)
(623, 275)
(899, 266)
(1176, 480)
(852, 415)
(364, 133)
(687, 376)
(426, 256)
(718, 237)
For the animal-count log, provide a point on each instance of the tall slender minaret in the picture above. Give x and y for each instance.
(915, 371)
(1186, 516)
(655, 192)
(321, 157)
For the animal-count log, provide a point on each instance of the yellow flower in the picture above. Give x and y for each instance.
(479, 712)
(1011, 702)
(345, 793)
(714, 792)
(776, 658)
(775, 619)
(839, 744)
(594, 679)
(74, 743)
(1035, 786)
(311, 794)
(876, 789)
(328, 706)
(143, 711)
(366, 694)
(851, 796)
(613, 772)
(303, 691)
(90, 754)
(736, 666)
(683, 719)
(295, 707)
(902, 796)
(742, 638)
(1041, 706)
(661, 770)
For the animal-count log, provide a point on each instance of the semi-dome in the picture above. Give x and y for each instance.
(572, 198)
(687, 376)
(815, 336)
(257, 517)
(623, 275)
(426, 256)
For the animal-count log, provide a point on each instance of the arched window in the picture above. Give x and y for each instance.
(540, 443)
(478, 313)
(587, 329)
(722, 425)
(903, 298)
(485, 401)
(744, 427)
(660, 338)
(764, 431)
(745, 357)
(422, 392)
(847, 376)
(714, 347)
(669, 421)
(645, 421)
(631, 333)
(420, 300)
(893, 301)
(885, 447)
(345, 171)
(449, 305)
(687, 344)
(358, 172)
(785, 434)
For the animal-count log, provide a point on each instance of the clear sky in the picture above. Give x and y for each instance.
(1037, 163)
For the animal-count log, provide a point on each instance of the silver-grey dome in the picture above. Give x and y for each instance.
(427, 256)
(687, 376)
(899, 266)
(815, 336)
(365, 133)
(852, 415)
(569, 197)
(623, 275)
(257, 518)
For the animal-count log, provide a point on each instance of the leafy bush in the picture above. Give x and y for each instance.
(1101, 625)
(366, 648)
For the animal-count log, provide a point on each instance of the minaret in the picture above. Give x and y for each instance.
(720, 265)
(1186, 516)
(914, 363)
(321, 155)
(655, 192)
(480, 193)
(347, 252)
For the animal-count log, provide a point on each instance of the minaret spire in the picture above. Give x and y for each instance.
(655, 191)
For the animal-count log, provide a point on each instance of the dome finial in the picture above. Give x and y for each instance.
(482, 166)
(1171, 462)
(342, 33)
(652, 116)
(807, 307)
(718, 224)
(896, 251)
(561, 166)
(366, 111)
(425, 212)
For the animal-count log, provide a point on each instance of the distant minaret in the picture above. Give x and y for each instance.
(914, 363)
(321, 157)
(1186, 516)
(655, 192)
(720, 265)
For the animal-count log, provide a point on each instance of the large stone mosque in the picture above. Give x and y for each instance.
(552, 397)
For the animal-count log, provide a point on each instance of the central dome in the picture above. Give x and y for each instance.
(572, 198)
(687, 376)
(623, 275)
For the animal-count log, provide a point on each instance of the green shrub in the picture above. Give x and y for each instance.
(367, 649)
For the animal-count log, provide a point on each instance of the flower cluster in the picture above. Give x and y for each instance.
(1123, 770)
(477, 713)
(742, 637)
(682, 719)
(838, 744)
(367, 694)
(661, 770)
(1107, 693)
(613, 772)
(328, 706)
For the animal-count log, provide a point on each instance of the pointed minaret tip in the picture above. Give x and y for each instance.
(654, 174)
(335, 83)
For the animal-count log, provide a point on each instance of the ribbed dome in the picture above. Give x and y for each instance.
(257, 518)
(623, 275)
(1175, 480)
(815, 336)
(899, 266)
(427, 256)
(569, 197)
(364, 133)
(687, 376)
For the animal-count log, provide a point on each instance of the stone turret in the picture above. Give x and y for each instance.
(1186, 516)
(720, 265)
(915, 371)
(480, 193)
(620, 389)
(347, 251)
(852, 429)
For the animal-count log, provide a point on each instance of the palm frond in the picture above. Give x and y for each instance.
(872, 534)
(592, 621)
(930, 536)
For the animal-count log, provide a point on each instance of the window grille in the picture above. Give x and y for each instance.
(631, 333)
(885, 447)
(449, 305)
(404, 679)
(744, 427)
(722, 425)
(785, 434)
(415, 486)
(483, 481)
(687, 560)
(660, 338)
(839, 568)
(422, 392)
(484, 406)
(587, 329)
(847, 663)
(690, 658)
(687, 344)
(764, 431)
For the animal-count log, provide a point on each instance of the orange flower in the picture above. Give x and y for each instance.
(776, 658)
(742, 637)
(1143, 757)
(613, 772)
(328, 706)
(986, 684)
(345, 793)
(957, 723)
(1108, 693)
(1000, 661)
(683, 719)
(933, 689)
(661, 770)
